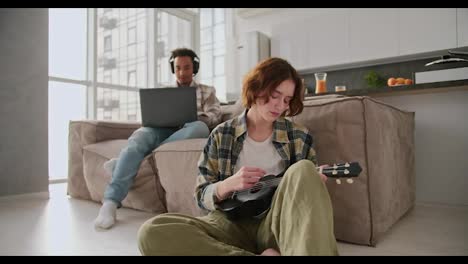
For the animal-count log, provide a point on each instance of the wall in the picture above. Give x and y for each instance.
(23, 101)
(441, 141)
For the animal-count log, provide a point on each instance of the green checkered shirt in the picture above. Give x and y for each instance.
(219, 157)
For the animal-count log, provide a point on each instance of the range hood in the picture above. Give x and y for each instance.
(458, 52)
(455, 56)
(446, 59)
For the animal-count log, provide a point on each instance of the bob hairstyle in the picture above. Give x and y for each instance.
(262, 81)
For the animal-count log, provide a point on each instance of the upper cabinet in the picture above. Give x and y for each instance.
(295, 49)
(373, 33)
(427, 29)
(462, 27)
(316, 39)
(321, 39)
(329, 44)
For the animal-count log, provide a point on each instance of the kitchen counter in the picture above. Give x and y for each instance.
(404, 89)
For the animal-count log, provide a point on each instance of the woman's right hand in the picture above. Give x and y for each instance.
(245, 178)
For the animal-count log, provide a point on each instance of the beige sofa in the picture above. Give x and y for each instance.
(378, 136)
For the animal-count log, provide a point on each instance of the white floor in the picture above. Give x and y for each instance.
(63, 226)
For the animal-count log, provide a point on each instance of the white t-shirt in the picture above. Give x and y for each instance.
(261, 155)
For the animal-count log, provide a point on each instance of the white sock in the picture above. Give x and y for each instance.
(110, 165)
(107, 215)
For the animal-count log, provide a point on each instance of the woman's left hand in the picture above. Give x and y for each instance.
(322, 176)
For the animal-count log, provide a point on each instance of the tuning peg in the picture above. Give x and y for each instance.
(349, 180)
(346, 164)
(346, 171)
(335, 166)
(338, 181)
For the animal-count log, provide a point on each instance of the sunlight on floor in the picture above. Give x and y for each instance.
(64, 226)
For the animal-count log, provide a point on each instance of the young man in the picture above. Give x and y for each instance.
(184, 64)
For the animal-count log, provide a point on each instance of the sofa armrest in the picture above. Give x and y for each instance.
(83, 133)
(381, 138)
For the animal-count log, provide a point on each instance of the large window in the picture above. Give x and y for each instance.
(129, 59)
(122, 61)
(100, 58)
(67, 82)
(213, 49)
(175, 29)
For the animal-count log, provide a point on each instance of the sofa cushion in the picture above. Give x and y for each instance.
(176, 163)
(145, 194)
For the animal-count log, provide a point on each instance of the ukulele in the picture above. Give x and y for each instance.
(255, 201)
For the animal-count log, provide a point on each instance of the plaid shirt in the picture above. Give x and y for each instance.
(224, 145)
(208, 106)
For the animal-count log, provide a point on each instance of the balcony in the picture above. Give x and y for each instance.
(108, 23)
(108, 104)
(107, 63)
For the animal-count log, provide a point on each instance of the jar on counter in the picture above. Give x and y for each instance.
(340, 88)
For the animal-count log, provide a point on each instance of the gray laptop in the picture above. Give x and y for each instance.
(168, 107)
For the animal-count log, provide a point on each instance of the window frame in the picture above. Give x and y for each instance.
(91, 83)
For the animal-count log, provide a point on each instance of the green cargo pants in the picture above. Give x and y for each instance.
(300, 222)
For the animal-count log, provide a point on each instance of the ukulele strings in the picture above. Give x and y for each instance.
(271, 182)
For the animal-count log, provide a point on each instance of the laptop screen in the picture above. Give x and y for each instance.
(168, 106)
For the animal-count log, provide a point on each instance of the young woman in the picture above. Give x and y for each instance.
(238, 153)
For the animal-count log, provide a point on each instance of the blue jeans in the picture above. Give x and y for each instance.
(140, 144)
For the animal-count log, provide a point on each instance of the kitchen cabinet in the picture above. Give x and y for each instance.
(315, 41)
(292, 47)
(462, 27)
(426, 29)
(338, 37)
(329, 44)
(373, 33)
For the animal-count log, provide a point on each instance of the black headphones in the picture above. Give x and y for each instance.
(195, 61)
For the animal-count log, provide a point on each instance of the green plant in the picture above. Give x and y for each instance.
(374, 80)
